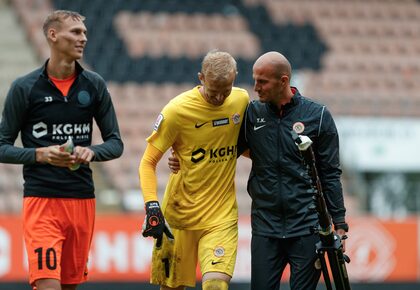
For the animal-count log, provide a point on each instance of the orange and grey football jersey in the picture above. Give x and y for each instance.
(204, 138)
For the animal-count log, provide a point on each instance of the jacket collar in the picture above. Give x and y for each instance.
(284, 108)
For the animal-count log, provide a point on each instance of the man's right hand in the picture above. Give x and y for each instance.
(154, 223)
(173, 162)
(55, 156)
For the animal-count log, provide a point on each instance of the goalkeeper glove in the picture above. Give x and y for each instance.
(154, 223)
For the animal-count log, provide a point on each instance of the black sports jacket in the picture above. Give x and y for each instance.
(36, 108)
(279, 181)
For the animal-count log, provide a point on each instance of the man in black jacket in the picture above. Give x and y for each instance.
(53, 109)
(279, 182)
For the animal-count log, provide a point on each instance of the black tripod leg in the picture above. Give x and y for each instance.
(338, 270)
(324, 269)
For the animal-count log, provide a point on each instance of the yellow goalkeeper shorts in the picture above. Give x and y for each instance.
(174, 264)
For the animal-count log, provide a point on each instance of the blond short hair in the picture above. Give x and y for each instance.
(218, 65)
(57, 17)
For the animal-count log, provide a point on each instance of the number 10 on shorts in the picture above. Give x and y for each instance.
(50, 258)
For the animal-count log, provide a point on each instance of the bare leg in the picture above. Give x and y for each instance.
(48, 284)
(216, 281)
(53, 284)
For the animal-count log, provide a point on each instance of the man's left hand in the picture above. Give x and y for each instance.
(341, 233)
(83, 154)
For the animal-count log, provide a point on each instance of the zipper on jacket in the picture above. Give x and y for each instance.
(284, 207)
(52, 83)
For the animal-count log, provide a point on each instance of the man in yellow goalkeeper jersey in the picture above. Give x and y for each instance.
(198, 217)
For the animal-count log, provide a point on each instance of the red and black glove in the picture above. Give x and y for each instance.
(154, 223)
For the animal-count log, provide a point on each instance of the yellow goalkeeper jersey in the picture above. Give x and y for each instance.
(204, 137)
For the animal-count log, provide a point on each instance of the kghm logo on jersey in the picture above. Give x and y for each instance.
(60, 132)
(215, 155)
(39, 130)
(198, 155)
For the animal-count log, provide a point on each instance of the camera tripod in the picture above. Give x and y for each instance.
(330, 242)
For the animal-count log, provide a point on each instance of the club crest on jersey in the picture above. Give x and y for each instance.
(219, 251)
(236, 118)
(84, 98)
(158, 122)
(298, 127)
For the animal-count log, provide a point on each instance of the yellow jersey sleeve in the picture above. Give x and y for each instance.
(166, 128)
(147, 173)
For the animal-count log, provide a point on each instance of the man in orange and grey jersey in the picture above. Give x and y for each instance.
(49, 107)
(202, 126)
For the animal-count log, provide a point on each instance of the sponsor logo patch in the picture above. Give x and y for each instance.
(61, 131)
(39, 130)
(158, 122)
(198, 155)
(214, 155)
(220, 122)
